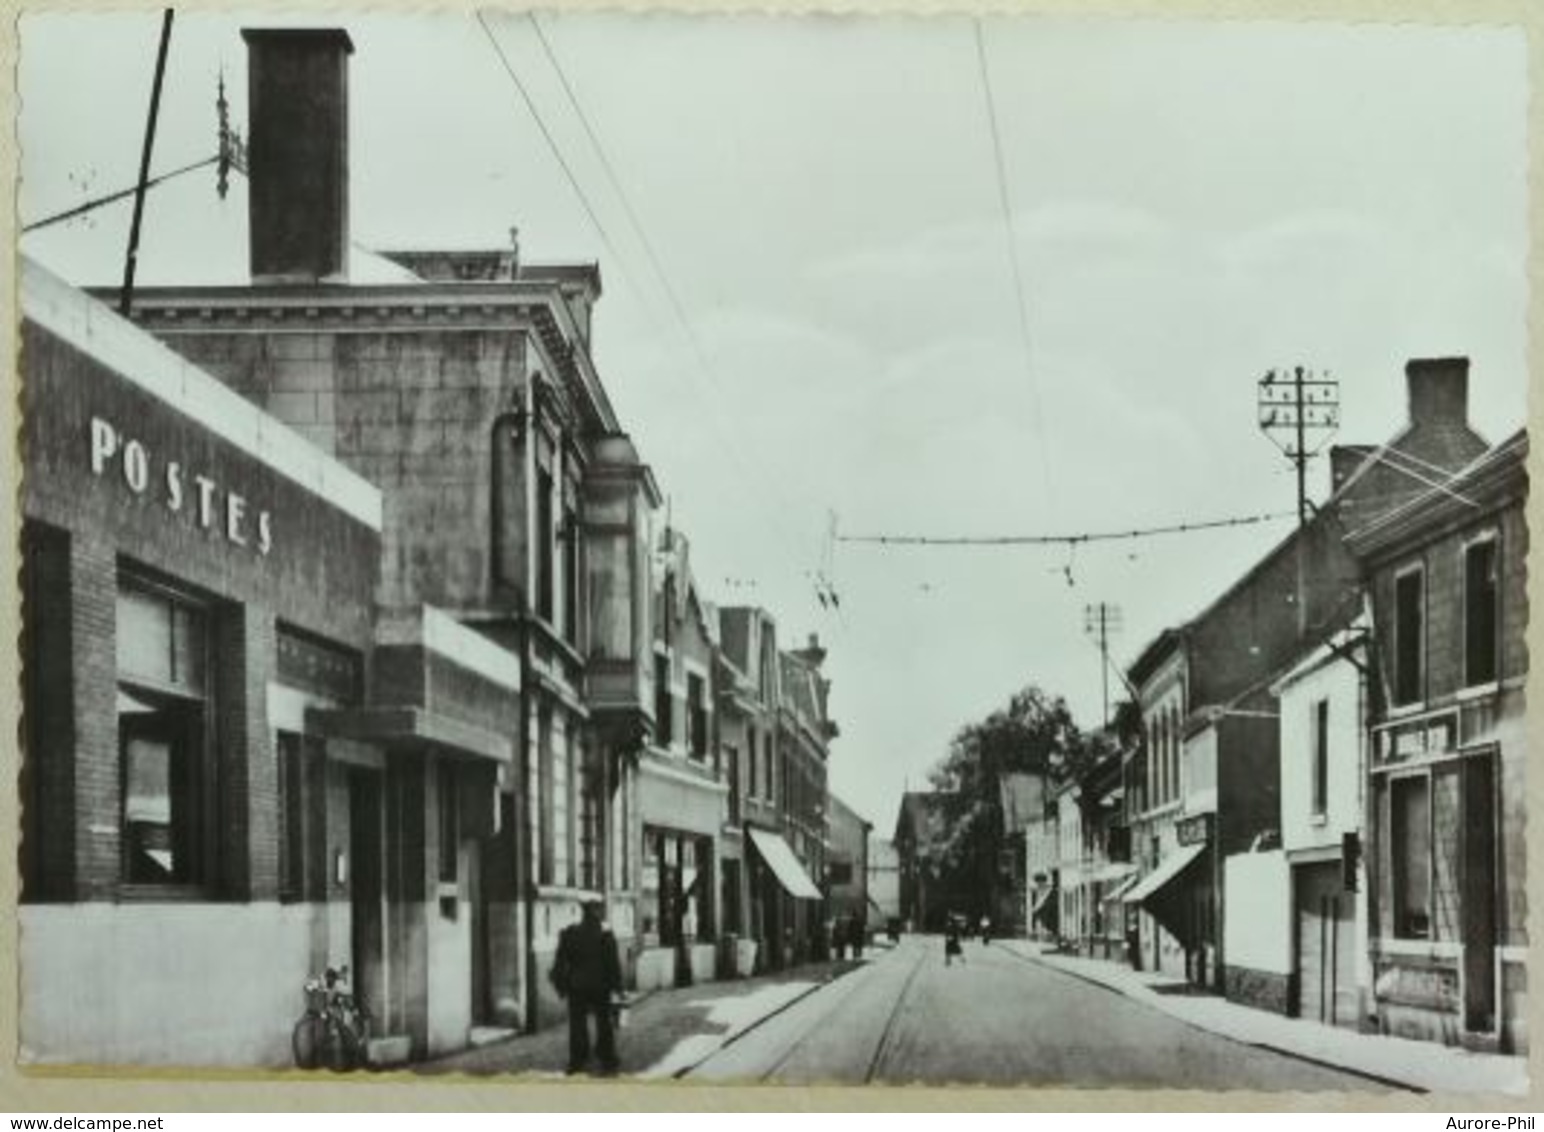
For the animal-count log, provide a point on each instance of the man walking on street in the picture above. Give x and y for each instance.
(587, 972)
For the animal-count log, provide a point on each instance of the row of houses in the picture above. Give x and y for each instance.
(351, 635)
(1321, 812)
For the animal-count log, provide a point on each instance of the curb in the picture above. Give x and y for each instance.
(1154, 1000)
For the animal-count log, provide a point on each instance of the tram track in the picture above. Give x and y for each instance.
(881, 1047)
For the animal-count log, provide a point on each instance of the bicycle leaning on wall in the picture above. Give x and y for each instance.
(333, 1031)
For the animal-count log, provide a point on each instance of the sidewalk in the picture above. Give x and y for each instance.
(668, 1031)
(1422, 1066)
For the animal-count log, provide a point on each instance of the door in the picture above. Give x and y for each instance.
(366, 890)
(1325, 945)
(1479, 894)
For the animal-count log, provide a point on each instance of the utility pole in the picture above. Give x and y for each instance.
(1100, 622)
(126, 299)
(1299, 412)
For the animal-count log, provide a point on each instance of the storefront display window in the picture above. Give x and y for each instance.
(163, 736)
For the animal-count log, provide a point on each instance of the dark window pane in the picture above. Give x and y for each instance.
(1409, 627)
(1480, 590)
(1410, 817)
(292, 816)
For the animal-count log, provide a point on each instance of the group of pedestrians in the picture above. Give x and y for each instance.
(955, 928)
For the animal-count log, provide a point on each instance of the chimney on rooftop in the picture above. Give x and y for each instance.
(297, 153)
(1439, 390)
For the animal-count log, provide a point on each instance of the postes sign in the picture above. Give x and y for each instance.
(214, 507)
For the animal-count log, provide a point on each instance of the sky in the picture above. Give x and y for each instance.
(810, 321)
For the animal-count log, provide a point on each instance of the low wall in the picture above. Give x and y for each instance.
(1264, 990)
(214, 985)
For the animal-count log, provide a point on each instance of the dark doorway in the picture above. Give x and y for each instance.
(1479, 894)
(365, 888)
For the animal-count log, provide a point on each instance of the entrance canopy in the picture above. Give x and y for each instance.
(784, 865)
(1167, 872)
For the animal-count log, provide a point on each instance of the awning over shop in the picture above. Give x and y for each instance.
(1168, 871)
(784, 865)
(1120, 890)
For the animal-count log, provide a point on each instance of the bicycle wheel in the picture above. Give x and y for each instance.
(341, 1049)
(307, 1039)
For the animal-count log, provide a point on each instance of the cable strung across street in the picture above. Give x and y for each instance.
(1061, 540)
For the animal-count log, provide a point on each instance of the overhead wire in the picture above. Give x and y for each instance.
(734, 455)
(98, 202)
(557, 153)
(1069, 540)
(1020, 291)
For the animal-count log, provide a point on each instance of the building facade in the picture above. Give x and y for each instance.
(1206, 782)
(682, 798)
(462, 387)
(848, 906)
(1446, 851)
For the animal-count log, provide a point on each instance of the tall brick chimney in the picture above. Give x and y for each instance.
(1439, 390)
(297, 153)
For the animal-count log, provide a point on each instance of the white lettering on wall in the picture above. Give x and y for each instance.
(104, 442)
(135, 463)
(136, 467)
(174, 486)
(235, 512)
(205, 500)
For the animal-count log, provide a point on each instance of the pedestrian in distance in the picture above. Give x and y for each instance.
(587, 972)
(952, 949)
(986, 930)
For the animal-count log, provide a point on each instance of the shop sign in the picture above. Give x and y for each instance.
(219, 509)
(1194, 830)
(1418, 740)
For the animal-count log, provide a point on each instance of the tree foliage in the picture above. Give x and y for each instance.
(1034, 733)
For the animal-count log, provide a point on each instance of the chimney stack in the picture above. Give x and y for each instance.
(297, 152)
(1439, 390)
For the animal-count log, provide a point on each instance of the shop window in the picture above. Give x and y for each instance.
(1409, 629)
(1321, 756)
(1410, 828)
(840, 872)
(696, 699)
(1480, 605)
(165, 767)
(751, 781)
(664, 704)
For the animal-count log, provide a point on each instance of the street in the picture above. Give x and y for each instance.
(997, 1018)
